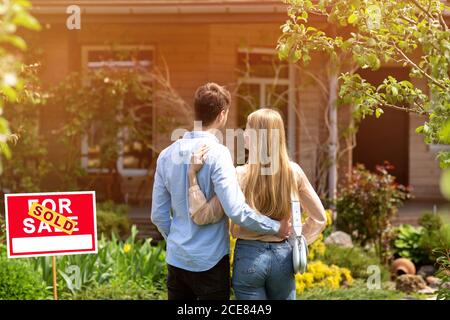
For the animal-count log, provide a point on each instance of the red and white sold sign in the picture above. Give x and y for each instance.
(56, 223)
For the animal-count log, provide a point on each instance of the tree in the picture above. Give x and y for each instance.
(13, 14)
(412, 33)
(113, 110)
(25, 170)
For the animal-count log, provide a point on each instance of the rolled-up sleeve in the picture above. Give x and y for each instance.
(227, 189)
(201, 210)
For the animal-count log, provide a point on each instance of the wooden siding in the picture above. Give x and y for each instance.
(200, 52)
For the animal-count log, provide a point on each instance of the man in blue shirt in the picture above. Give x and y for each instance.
(198, 256)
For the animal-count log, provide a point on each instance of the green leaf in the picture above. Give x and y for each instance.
(283, 51)
(352, 18)
(306, 59)
(24, 19)
(378, 112)
(444, 133)
(445, 184)
(9, 92)
(304, 16)
(394, 91)
(16, 41)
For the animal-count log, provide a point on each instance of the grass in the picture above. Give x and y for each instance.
(358, 291)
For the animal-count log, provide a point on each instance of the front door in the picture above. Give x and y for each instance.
(385, 138)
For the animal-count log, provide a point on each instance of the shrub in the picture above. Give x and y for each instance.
(406, 243)
(122, 261)
(2, 229)
(419, 243)
(320, 275)
(431, 240)
(358, 291)
(121, 291)
(232, 246)
(135, 260)
(112, 218)
(443, 261)
(430, 221)
(366, 205)
(317, 248)
(329, 225)
(356, 259)
(18, 281)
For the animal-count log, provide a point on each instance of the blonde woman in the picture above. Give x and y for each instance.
(262, 267)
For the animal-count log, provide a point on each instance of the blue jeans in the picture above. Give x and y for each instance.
(263, 270)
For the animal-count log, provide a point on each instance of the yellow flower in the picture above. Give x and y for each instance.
(329, 215)
(232, 246)
(347, 275)
(316, 248)
(127, 248)
(318, 274)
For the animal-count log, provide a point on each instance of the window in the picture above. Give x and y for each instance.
(135, 156)
(264, 81)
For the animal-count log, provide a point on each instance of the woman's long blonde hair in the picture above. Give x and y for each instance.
(270, 194)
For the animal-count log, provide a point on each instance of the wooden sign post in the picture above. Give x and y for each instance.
(55, 283)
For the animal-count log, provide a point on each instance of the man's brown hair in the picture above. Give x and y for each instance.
(210, 100)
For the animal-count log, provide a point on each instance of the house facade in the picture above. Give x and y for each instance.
(230, 42)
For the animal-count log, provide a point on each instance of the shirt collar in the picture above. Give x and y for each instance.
(200, 134)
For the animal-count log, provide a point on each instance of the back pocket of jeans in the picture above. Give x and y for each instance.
(283, 256)
(247, 263)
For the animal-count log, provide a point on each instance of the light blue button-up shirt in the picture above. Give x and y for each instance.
(189, 246)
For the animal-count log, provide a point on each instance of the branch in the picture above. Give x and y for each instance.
(422, 9)
(393, 106)
(319, 13)
(318, 81)
(408, 60)
(441, 19)
(427, 12)
(408, 19)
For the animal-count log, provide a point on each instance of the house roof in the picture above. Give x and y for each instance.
(165, 7)
(159, 6)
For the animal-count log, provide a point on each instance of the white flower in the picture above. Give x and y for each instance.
(10, 79)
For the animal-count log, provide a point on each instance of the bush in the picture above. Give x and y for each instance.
(317, 248)
(366, 205)
(431, 240)
(121, 291)
(430, 221)
(135, 261)
(18, 281)
(112, 218)
(406, 243)
(443, 261)
(419, 243)
(2, 229)
(356, 259)
(358, 291)
(320, 275)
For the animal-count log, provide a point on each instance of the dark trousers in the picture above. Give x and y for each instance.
(213, 284)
